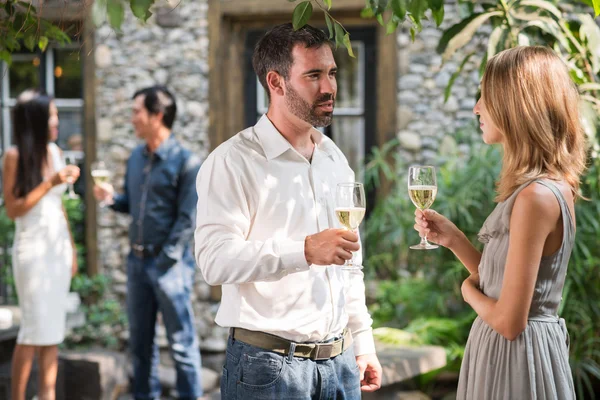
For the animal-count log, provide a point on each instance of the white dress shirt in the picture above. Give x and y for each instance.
(258, 199)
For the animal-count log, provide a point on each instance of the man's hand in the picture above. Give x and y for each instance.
(104, 192)
(370, 372)
(332, 246)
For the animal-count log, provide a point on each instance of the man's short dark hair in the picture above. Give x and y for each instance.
(273, 52)
(158, 99)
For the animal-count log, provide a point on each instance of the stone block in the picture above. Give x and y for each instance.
(94, 374)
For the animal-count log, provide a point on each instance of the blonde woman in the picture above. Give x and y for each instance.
(518, 347)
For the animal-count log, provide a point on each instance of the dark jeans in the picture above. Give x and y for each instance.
(151, 289)
(254, 373)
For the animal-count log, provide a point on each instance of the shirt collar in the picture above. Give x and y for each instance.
(274, 144)
(163, 150)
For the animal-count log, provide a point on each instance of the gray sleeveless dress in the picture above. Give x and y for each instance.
(536, 364)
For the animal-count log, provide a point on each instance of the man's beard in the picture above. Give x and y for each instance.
(306, 111)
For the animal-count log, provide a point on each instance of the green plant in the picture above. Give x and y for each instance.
(75, 209)
(7, 282)
(102, 315)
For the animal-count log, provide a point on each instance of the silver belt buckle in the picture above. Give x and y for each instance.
(323, 351)
(138, 250)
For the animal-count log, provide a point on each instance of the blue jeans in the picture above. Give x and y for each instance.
(254, 373)
(151, 289)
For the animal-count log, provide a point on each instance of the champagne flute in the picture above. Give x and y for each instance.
(70, 160)
(422, 189)
(101, 176)
(350, 211)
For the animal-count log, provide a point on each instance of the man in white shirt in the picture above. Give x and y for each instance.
(267, 231)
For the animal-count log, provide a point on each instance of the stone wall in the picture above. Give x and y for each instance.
(426, 125)
(171, 49)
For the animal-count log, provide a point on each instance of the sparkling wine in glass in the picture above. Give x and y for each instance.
(350, 210)
(101, 176)
(70, 160)
(422, 189)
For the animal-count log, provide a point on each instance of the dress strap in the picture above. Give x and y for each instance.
(569, 226)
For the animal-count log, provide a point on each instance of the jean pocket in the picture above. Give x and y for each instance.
(224, 383)
(261, 370)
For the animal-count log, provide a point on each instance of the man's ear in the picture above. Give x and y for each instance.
(275, 83)
(158, 117)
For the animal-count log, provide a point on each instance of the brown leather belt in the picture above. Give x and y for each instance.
(145, 251)
(313, 351)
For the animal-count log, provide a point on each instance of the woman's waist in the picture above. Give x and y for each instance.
(40, 224)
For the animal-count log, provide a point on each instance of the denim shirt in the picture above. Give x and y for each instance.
(160, 194)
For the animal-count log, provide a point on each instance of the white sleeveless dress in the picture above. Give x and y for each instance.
(42, 260)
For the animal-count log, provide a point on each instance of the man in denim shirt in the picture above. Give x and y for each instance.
(160, 195)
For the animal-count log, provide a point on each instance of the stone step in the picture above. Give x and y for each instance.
(400, 363)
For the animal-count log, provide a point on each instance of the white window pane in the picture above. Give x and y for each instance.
(70, 123)
(350, 77)
(24, 74)
(348, 133)
(67, 74)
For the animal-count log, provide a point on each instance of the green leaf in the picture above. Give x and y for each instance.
(545, 5)
(483, 64)
(589, 86)
(495, 38)
(380, 19)
(348, 45)
(523, 40)
(367, 12)
(590, 32)
(327, 3)
(438, 16)
(329, 25)
(453, 31)
(30, 41)
(417, 10)
(413, 33)
(43, 43)
(596, 4)
(399, 9)
(141, 9)
(6, 57)
(466, 34)
(339, 35)
(302, 14)
(391, 26)
(455, 75)
(552, 28)
(116, 13)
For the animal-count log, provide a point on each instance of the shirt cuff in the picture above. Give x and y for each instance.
(292, 256)
(364, 343)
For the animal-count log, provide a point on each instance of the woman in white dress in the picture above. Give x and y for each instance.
(44, 257)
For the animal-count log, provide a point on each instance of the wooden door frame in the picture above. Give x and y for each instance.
(228, 22)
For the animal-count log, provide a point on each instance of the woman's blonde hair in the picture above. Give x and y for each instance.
(532, 100)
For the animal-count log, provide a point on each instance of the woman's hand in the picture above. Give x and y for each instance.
(68, 174)
(436, 227)
(471, 281)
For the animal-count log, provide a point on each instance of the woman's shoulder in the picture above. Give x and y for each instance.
(11, 155)
(537, 200)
